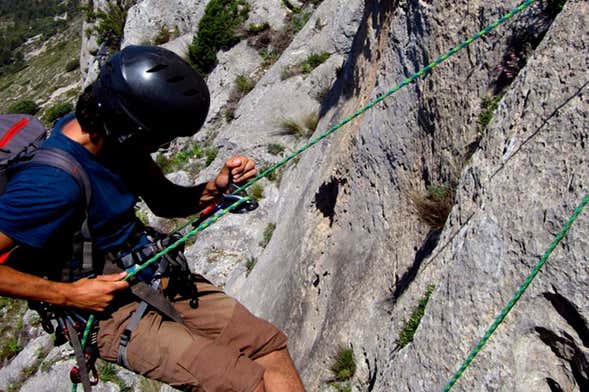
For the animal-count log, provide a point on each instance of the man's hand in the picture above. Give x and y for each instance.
(237, 169)
(95, 294)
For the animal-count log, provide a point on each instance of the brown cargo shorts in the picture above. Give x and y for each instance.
(213, 352)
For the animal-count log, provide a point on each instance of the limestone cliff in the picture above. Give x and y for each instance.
(502, 127)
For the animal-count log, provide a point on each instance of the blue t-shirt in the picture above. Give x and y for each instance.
(43, 205)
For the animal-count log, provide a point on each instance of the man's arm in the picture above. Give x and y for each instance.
(169, 200)
(90, 294)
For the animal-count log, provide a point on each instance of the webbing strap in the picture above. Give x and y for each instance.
(126, 335)
(79, 354)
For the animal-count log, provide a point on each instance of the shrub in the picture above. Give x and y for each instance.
(110, 24)
(217, 30)
(275, 149)
(408, 331)
(435, 206)
(25, 106)
(72, 65)
(58, 110)
(267, 235)
(344, 366)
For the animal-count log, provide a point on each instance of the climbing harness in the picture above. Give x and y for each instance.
(237, 200)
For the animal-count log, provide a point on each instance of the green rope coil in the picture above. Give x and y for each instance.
(557, 239)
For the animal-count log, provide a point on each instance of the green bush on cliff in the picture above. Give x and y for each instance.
(217, 30)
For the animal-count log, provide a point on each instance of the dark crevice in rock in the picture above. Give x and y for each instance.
(326, 197)
(553, 385)
(426, 249)
(565, 348)
(522, 43)
(569, 312)
(371, 372)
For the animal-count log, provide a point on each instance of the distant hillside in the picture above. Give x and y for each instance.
(39, 49)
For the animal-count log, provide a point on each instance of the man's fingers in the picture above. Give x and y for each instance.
(120, 285)
(112, 277)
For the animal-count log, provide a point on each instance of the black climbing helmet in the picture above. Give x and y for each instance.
(147, 95)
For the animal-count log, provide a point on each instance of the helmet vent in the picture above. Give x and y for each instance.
(157, 68)
(190, 93)
(175, 79)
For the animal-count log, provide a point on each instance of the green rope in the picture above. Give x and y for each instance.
(422, 72)
(518, 293)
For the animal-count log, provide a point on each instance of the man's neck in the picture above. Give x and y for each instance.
(73, 131)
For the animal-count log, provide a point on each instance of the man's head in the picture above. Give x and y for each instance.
(144, 96)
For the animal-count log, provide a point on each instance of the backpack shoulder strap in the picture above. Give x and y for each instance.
(63, 160)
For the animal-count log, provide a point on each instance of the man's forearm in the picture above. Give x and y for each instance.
(17, 284)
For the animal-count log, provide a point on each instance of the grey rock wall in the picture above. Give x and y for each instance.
(347, 262)
(350, 258)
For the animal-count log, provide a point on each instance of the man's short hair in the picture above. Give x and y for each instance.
(87, 113)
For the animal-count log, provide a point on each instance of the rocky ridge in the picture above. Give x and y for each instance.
(349, 258)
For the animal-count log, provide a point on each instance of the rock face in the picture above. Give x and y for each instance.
(148, 18)
(350, 258)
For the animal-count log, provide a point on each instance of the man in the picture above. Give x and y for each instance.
(144, 97)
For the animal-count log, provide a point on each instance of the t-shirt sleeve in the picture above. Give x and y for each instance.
(39, 202)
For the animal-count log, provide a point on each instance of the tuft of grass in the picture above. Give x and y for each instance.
(267, 235)
(25, 106)
(108, 373)
(180, 160)
(269, 56)
(249, 265)
(299, 19)
(488, 107)
(344, 365)
(435, 206)
(244, 84)
(163, 36)
(408, 331)
(211, 154)
(256, 28)
(311, 121)
(306, 67)
(292, 127)
(275, 149)
(257, 191)
(218, 29)
(316, 59)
